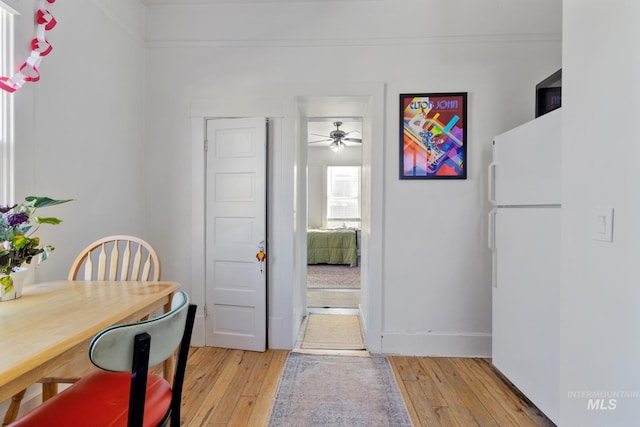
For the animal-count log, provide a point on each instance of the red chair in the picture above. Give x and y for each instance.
(122, 393)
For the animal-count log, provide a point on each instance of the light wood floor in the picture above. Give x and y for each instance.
(237, 388)
(449, 391)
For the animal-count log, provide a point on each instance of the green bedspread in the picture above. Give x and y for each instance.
(332, 246)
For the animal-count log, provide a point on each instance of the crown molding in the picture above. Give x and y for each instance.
(379, 41)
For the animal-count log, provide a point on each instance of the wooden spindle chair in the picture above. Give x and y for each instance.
(117, 258)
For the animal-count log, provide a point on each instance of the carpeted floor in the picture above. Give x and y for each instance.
(334, 332)
(326, 276)
(338, 391)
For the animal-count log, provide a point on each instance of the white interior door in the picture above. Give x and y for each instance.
(236, 313)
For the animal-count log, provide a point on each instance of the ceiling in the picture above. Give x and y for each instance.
(324, 125)
(322, 111)
(192, 2)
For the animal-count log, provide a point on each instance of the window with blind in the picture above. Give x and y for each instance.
(7, 9)
(343, 196)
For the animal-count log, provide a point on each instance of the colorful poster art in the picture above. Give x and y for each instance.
(433, 129)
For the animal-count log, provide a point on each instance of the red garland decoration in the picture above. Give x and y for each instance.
(40, 47)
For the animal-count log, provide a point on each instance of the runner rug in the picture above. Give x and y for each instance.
(345, 391)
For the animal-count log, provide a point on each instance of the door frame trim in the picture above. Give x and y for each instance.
(371, 98)
(198, 223)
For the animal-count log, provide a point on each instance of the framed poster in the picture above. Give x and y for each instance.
(433, 130)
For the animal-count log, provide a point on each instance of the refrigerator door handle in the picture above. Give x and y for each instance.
(491, 227)
(494, 270)
(492, 245)
(491, 175)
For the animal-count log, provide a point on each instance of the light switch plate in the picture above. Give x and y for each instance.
(602, 224)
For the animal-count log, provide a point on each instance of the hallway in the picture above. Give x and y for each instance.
(333, 299)
(333, 286)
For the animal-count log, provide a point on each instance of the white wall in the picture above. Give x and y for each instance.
(80, 129)
(82, 134)
(600, 334)
(436, 271)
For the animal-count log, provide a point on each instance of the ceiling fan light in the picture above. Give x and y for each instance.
(334, 146)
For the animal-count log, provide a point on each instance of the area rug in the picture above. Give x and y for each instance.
(333, 332)
(325, 276)
(326, 298)
(338, 391)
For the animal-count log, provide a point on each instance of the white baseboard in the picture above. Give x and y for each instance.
(437, 344)
(197, 336)
(363, 325)
(275, 330)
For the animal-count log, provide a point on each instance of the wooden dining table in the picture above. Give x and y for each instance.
(52, 321)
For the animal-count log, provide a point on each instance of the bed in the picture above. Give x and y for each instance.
(332, 246)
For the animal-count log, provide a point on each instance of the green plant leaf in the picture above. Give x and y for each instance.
(7, 283)
(40, 202)
(47, 220)
(20, 241)
(45, 253)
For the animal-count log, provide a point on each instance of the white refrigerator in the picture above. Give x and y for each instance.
(525, 239)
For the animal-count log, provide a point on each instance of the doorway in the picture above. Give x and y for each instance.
(334, 222)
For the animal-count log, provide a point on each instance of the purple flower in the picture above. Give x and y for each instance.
(17, 218)
(5, 209)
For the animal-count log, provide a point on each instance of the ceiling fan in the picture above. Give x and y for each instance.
(337, 138)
